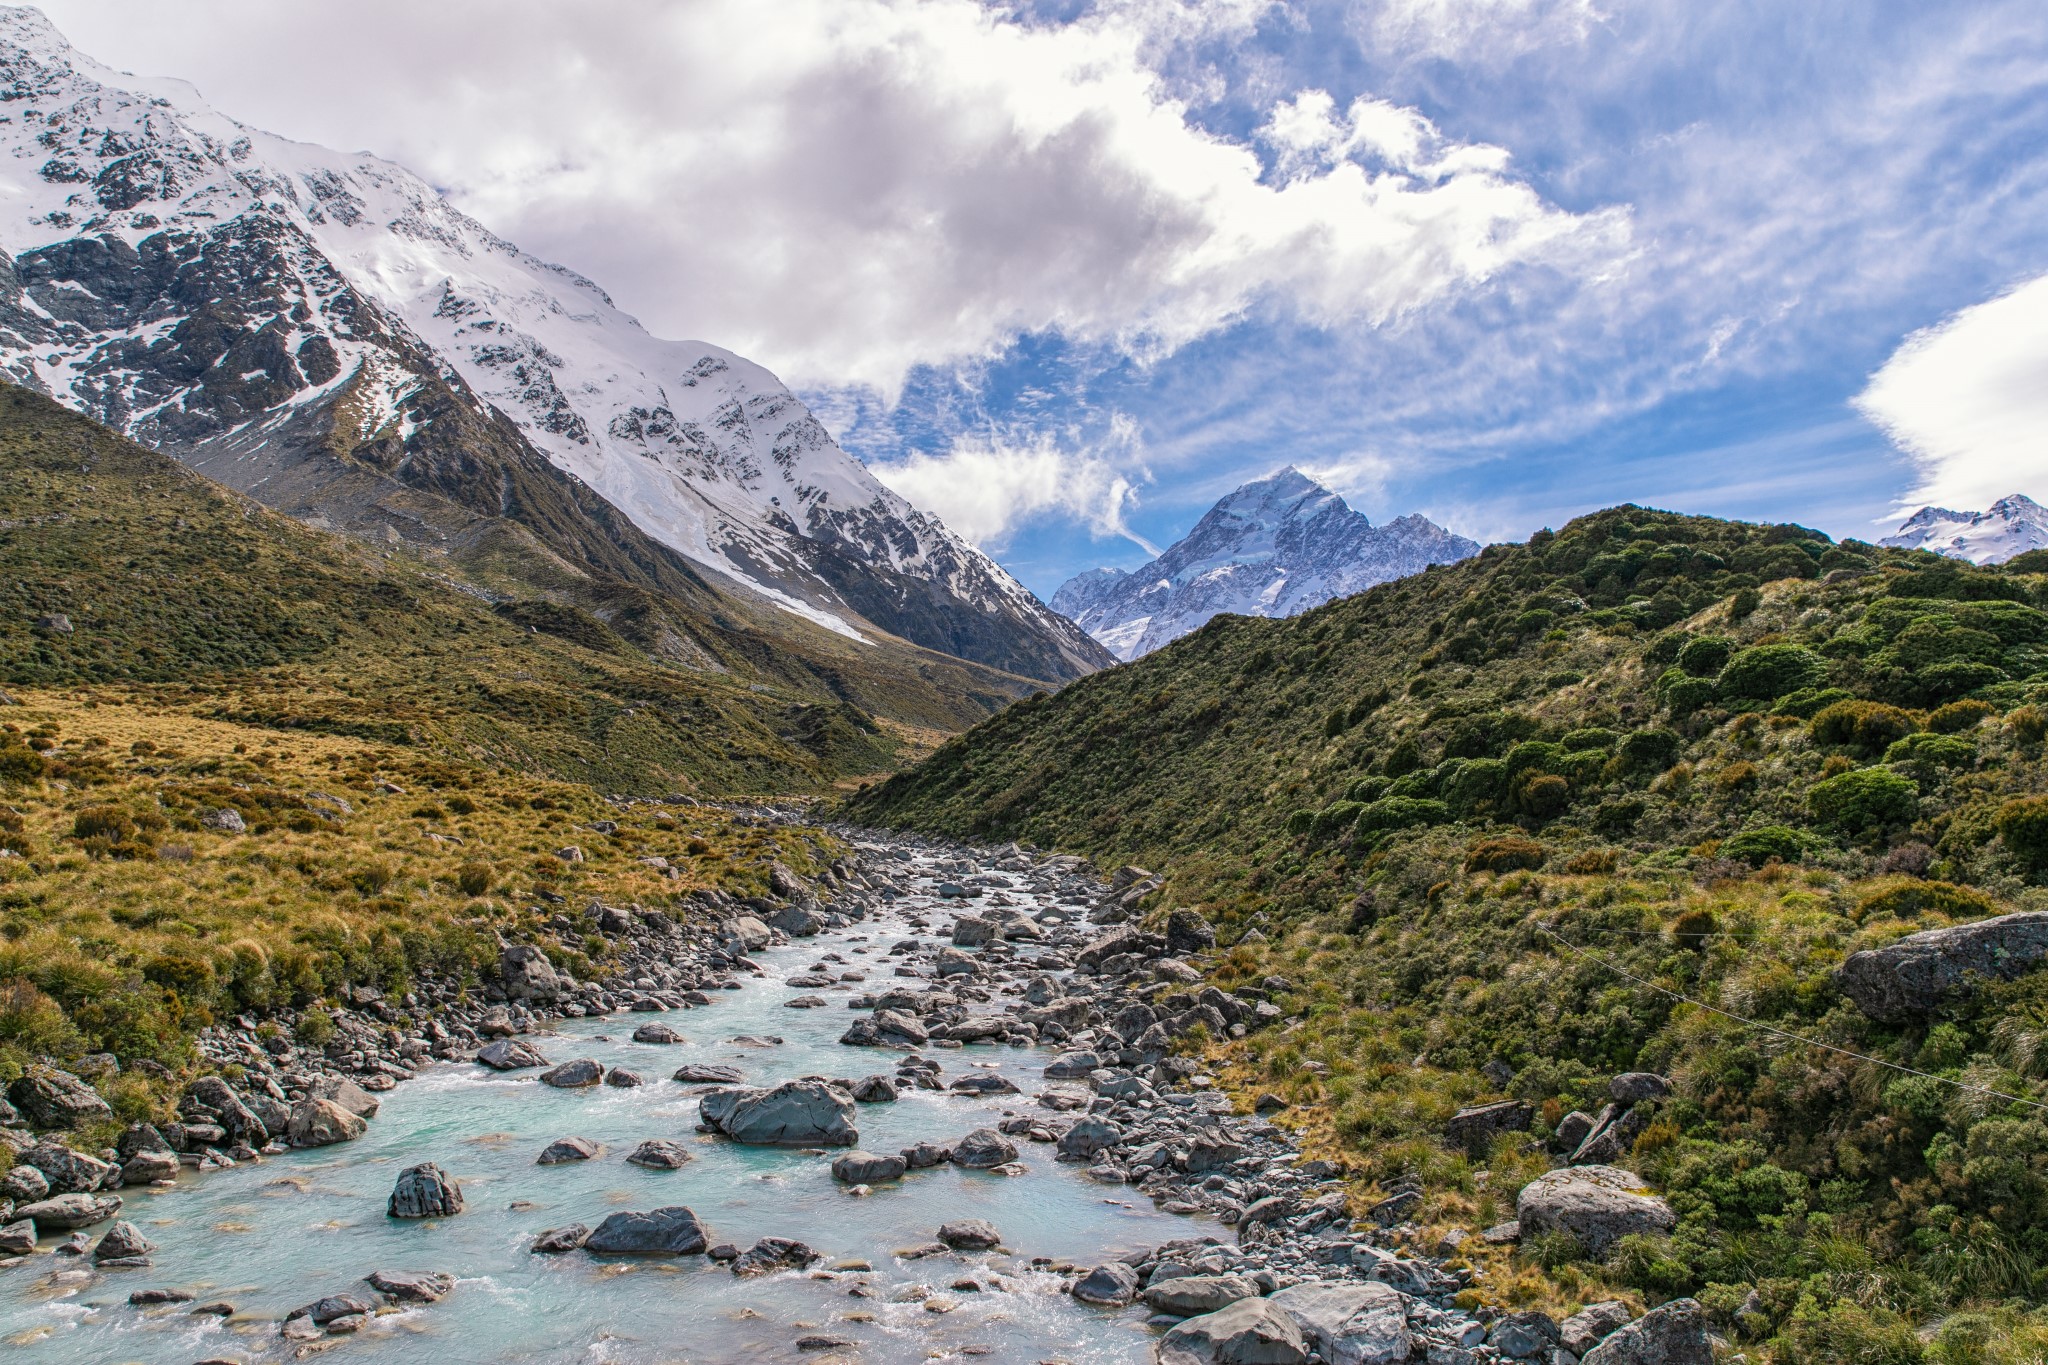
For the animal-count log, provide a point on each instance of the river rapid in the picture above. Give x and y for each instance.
(272, 1235)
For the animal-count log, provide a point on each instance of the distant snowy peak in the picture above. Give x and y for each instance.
(1275, 547)
(2013, 526)
(238, 299)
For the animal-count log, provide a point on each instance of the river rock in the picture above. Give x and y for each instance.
(1597, 1204)
(425, 1191)
(983, 1148)
(146, 1298)
(699, 1074)
(49, 1098)
(952, 962)
(63, 1212)
(660, 1154)
(509, 1054)
(1111, 1285)
(526, 974)
(1187, 932)
(1349, 1324)
(67, 1171)
(557, 1240)
(1675, 1334)
(670, 1231)
(1248, 1332)
(970, 1234)
(564, 1150)
(1907, 979)
(345, 1093)
(573, 1075)
(1072, 1066)
(144, 1167)
(410, 1286)
(748, 933)
(874, 1090)
(1089, 1137)
(324, 1311)
(972, 932)
(924, 1155)
(1591, 1325)
(805, 1113)
(321, 1123)
(24, 1184)
(123, 1242)
(657, 1033)
(865, 1168)
(1634, 1087)
(1474, 1128)
(618, 1078)
(18, 1238)
(771, 1254)
(1189, 1296)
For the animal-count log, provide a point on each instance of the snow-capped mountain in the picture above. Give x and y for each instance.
(2013, 526)
(1275, 547)
(311, 326)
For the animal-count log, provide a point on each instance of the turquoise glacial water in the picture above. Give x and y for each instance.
(268, 1237)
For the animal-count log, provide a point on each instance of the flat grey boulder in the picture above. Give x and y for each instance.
(564, 1150)
(1190, 1296)
(865, 1168)
(1088, 1137)
(49, 1098)
(322, 1123)
(794, 1114)
(424, 1191)
(983, 1148)
(18, 1238)
(1591, 1325)
(144, 1167)
(1248, 1332)
(970, 1234)
(557, 1240)
(771, 1254)
(1072, 1066)
(1350, 1324)
(345, 1093)
(509, 1054)
(874, 1090)
(1907, 979)
(122, 1242)
(573, 1075)
(658, 1033)
(748, 933)
(526, 974)
(1634, 1087)
(1599, 1205)
(1675, 1334)
(1109, 1285)
(700, 1074)
(66, 1171)
(411, 1286)
(670, 1231)
(660, 1154)
(63, 1212)
(1474, 1128)
(326, 1310)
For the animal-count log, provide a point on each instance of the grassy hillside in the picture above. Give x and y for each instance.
(1493, 825)
(119, 566)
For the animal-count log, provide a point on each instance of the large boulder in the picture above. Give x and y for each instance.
(670, 1231)
(509, 1054)
(345, 1093)
(526, 974)
(425, 1191)
(147, 1167)
(865, 1168)
(796, 921)
(563, 1151)
(1190, 1296)
(1474, 1128)
(660, 1154)
(321, 1123)
(1109, 1285)
(1248, 1332)
(411, 1286)
(573, 1075)
(1907, 979)
(983, 1148)
(701, 1073)
(771, 1254)
(1187, 932)
(747, 933)
(49, 1098)
(124, 1243)
(1675, 1334)
(1591, 1325)
(1350, 1324)
(970, 1234)
(808, 1113)
(326, 1310)
(657, 1033)
(1599, 1205)
(63, 1212)
(66, 1171)
(1088, 1137)
(232, 1111)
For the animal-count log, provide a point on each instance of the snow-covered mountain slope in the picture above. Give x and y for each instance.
(270, 311)
(2013, 526)
(1273, 548)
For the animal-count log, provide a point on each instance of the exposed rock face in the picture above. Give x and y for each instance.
(670, 1231)
(1248, 1332)
(1474, 1128)
(320, 1123)
(1350, 1324)
(49, 1098)
(793, 1114)
(1675, 1334)
(1597, 1204)
(1905, 980)
(425, 1191)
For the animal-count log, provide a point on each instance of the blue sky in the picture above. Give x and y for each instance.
(1068, 272)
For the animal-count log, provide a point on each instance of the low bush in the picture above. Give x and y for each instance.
(1958, 716)
(1763, 673)
(1758, 845)
(1911, 900)
(2023, 825)
(1400, 812)
(1507, 854)
(1868, 727)
(1865, 799)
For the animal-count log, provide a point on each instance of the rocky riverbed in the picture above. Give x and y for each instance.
(930, 1106)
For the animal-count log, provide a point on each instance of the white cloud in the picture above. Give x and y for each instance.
(1968, 400)
(987, 485)
(1482, 31)
(845, 189)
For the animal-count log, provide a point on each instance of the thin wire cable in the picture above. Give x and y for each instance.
(1769, 1028)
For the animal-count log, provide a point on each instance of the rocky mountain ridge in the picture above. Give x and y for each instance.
(326, 332)
(1275, 547)
(2012, 526)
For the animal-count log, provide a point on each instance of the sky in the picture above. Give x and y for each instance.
(1066, 272)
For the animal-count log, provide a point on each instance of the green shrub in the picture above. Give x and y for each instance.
(1865, 726)
(473, 878)
(1866, 798)
(1910, 900)
(1402, 759)
(315, 1028)
(1543, 796)
(1744, 604)
(2029, 724)
(1649, 750)
(1510, 853)
(19, 764)
(1938, 682)
(1400, 812)
(1808, 701)
(1759, 845)
(1958, 716)
(1940, 751)
(1705, 655)
(1475, 786)
(2023, 825)
(1766, 672)
(1591, 737)
(1301, 822)
(1684, 693)
(1335, 816)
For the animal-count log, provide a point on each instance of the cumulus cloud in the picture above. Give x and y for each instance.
(845, 189)
(1485, 31)
(987, 485)
(1968, 400)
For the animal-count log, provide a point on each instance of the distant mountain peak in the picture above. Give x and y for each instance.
(1272, 547)
(2012, 525)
